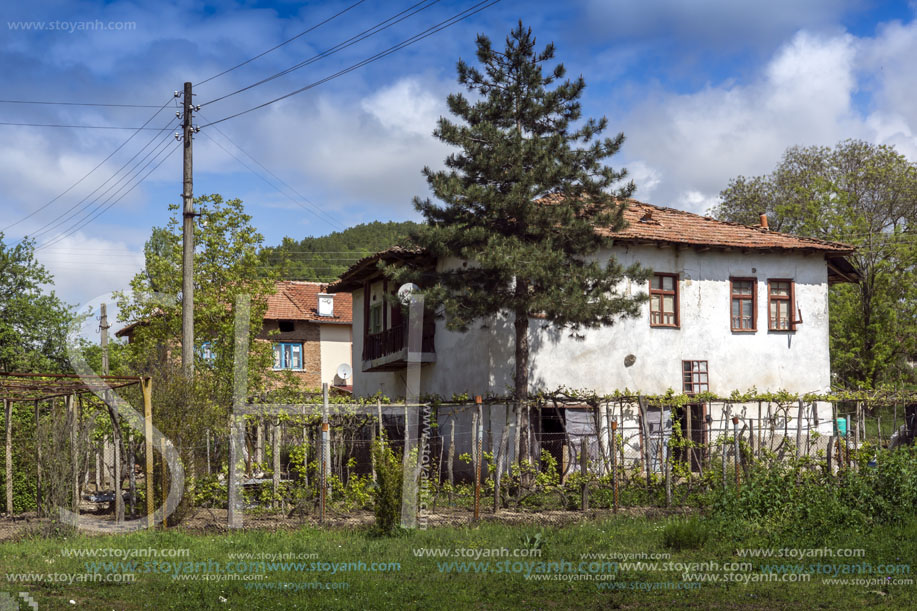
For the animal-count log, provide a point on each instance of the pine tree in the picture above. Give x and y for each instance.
(522, 199)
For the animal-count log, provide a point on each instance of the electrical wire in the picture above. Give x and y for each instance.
(393, 49)
(379, 27)
(285, 42)
(78, 104)
(58, 239)
(99, 205)
(85, 176)
(72, 212)
(69, 126)
(315, 210)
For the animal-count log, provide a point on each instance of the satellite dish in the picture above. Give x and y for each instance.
(344, 371)
(406, 290)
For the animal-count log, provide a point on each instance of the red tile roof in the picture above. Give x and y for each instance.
(668, 225)
(299, 301)
(657, 225)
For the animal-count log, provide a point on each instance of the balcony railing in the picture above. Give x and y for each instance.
(394, 340)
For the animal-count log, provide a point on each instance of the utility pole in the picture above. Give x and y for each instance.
(187, 284)
(113, 414)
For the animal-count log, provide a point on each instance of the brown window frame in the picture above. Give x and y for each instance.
(675, 292)
(791, 308)
(754, 304)
(687, 376)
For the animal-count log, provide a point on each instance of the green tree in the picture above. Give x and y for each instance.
(523, 198)
(34, 322)
(226, 264)
(865, 195)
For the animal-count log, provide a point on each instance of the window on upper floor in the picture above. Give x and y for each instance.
(694, 377)
(288, 355)
(781, 305)
(743, 309)
(664, 300)
(375, 318)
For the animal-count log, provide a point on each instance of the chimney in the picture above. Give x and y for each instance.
(325, 304)
(763, 221)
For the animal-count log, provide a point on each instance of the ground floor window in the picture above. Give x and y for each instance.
(694, 377)
(287, 355)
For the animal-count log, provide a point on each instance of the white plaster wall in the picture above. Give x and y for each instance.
(366, 384)
(480, 361)
(795, 361)
(337, 347)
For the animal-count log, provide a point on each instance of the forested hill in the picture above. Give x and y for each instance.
(327, 257)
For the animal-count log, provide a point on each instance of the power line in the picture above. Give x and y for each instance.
(393, 49)
(30, 102)
(76, 126)
(85, 176)
(314, 208)
(379, 27)
(134, 186)
(72, 212)
(89, 215)
(285, 42)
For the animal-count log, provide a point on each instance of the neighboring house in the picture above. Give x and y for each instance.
(310, 331)
(731, 307)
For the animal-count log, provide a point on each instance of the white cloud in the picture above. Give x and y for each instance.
(369, 149)
(405, 107)
(86, 267)
(696, 142)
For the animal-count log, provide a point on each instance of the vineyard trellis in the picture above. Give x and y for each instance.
(590, 451)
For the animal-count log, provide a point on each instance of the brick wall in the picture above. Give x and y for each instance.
(309, 335)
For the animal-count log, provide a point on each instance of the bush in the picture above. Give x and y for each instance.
(688, 533)
(789, 500)
(387, 493)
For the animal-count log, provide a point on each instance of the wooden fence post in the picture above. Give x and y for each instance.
(847, 444)
(723, 441)
(8, 465)
(584, 468)
(735, 441)
(614, 462)
(73, 421)
(799, 428)
(37, 460)
(501, 458)
(164, 480)
(644, 439)
(146, 385)
(480, 453)
(275, 456)
(452, 456)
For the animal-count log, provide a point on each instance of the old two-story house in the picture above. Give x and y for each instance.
(310, 330)
(730, 307)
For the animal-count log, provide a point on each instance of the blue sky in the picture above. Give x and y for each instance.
(703, 90)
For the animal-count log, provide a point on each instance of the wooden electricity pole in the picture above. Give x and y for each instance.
(187, 284)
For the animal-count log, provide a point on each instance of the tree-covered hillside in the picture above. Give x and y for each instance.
(327, 257)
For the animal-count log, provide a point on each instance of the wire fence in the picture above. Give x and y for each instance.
(540, 456)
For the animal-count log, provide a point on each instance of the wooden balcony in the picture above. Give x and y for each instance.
(388, 350)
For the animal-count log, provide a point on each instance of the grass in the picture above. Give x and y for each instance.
(426, 583)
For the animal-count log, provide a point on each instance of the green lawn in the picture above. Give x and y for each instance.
(426, 582)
